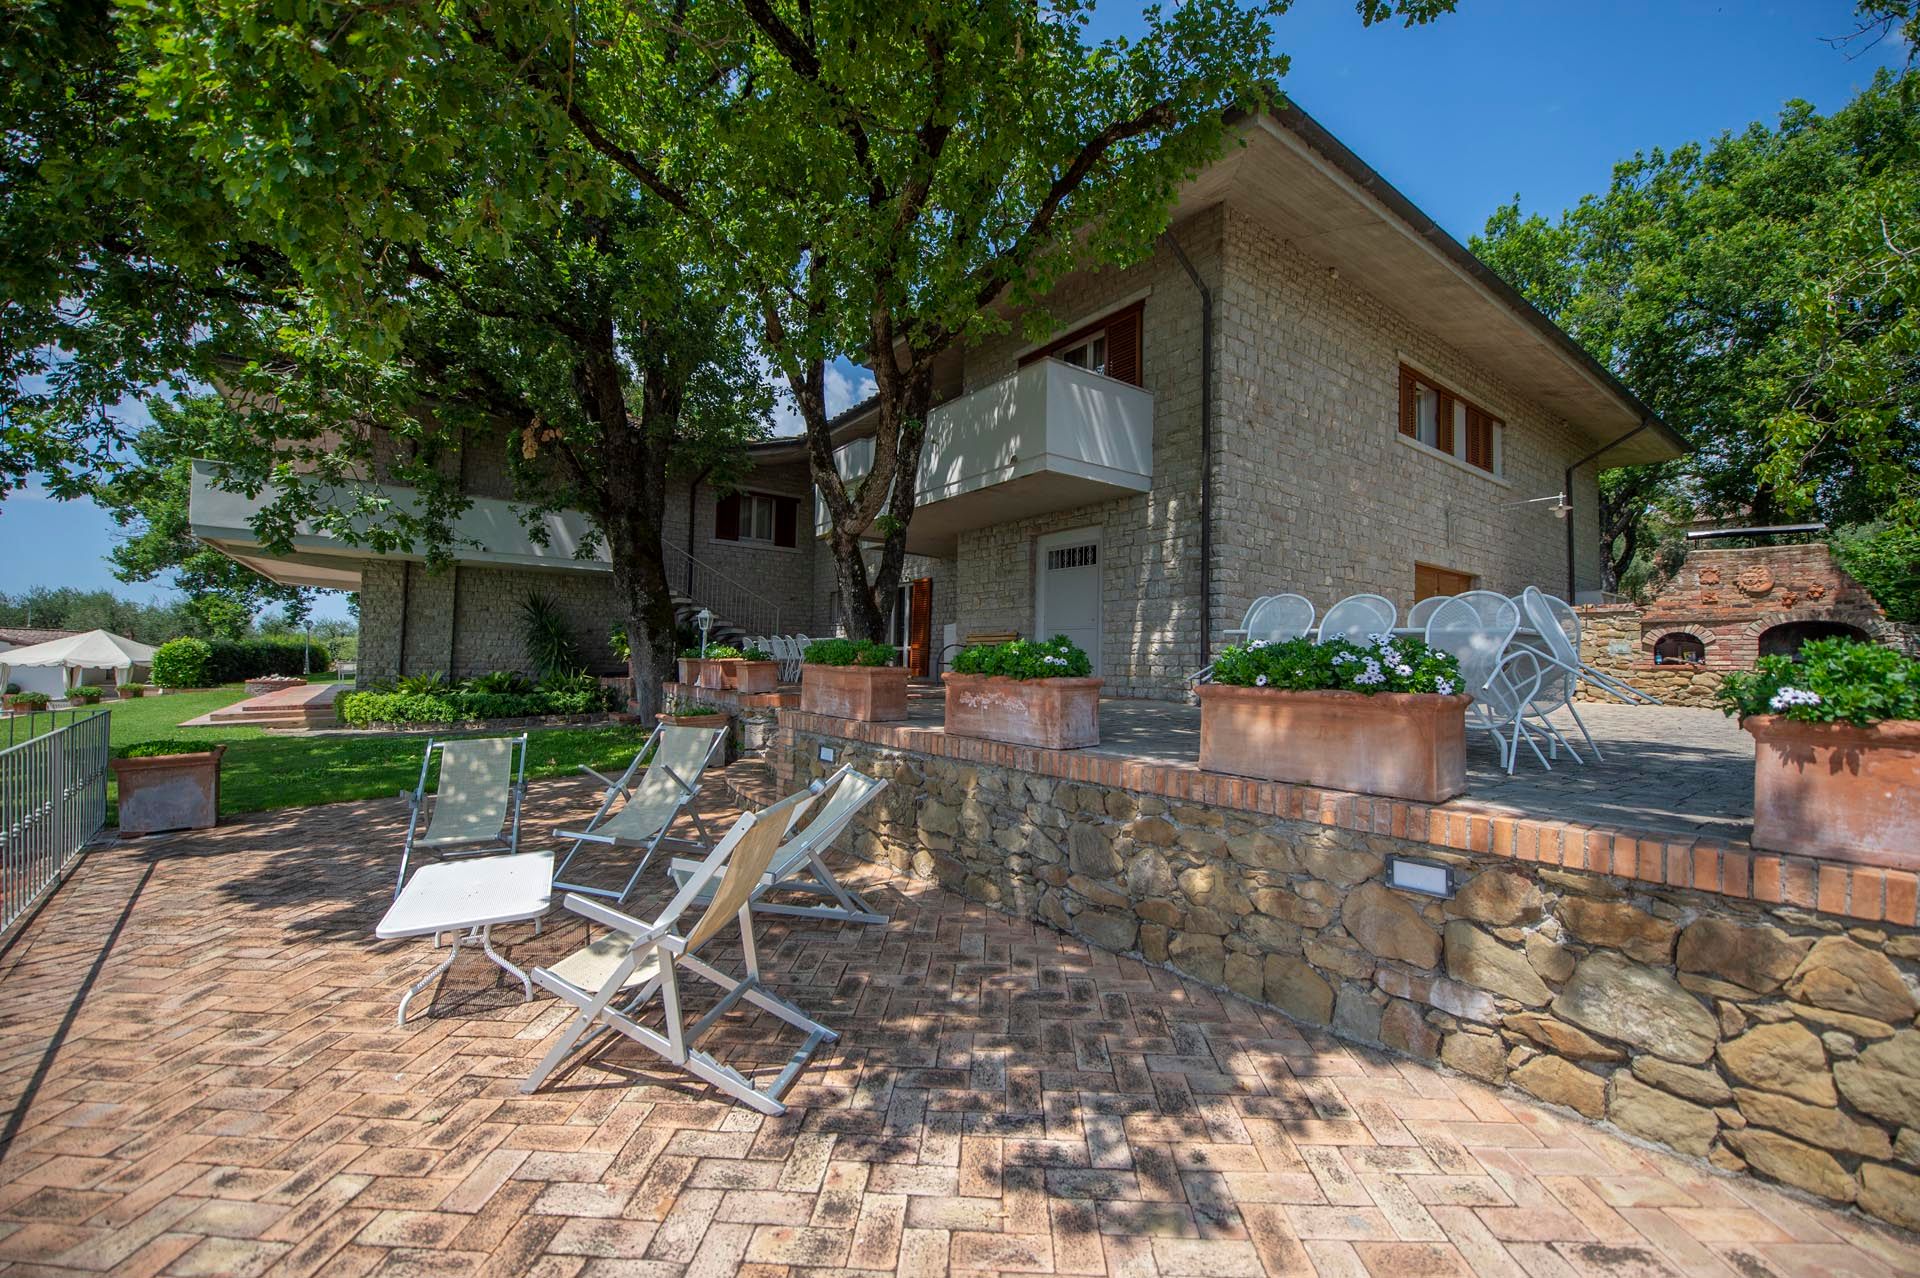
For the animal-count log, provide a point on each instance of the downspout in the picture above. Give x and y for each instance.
(1206, 448)
(1567, 488)
(693, 506)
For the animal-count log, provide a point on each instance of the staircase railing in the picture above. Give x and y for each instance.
(731, 601)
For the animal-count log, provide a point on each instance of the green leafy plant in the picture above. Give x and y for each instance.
(755, 654)
(28, 700)
(84, 696)
(1301, 665)
(1885, 558)
(421, 685)
(574, 683)
(183, 663)
(133, 690)
(618, 642)
(1830, 681)
(686, 707)
(12, 688)
(714, 652)
(551, 646)
(499, 681)
(1055, 658)
(849, 652)
(570, 696)
(163, 745)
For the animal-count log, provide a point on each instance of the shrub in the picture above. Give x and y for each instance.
(1885, 558)
(714, 652)
(756, 654)
(12, 688)
(848, 652)
(1055, 658)
(162, 745)
(84, 696)
(499, 681)
(687, 708)
(236, 660)
(551, 646)
(421, 685)
(1301, 665)
(183, 663)
(133, 689)
(446, 705)
(1832, 680)
(29, 700)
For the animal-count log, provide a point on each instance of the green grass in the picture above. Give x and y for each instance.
(263, 770)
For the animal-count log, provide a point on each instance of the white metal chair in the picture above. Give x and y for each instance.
(800, 865)
(1477, 628)
(1540, 609)
(1246, 621)
(1422, 610)
(476, 800)
(1563, 651)
(1358, 616)
(1270, 619)
(671, 782)
(611, 979)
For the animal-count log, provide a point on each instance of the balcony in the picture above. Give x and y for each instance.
(489, 531)
(1050, 437)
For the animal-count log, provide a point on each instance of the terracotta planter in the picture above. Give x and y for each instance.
(693, 720)
(749, 677)
(1404, 745)
(15, 705)
(130, 694)
(169, 791)
(703, 673)
(1837, 791)
(1054, 714)
(873, 694)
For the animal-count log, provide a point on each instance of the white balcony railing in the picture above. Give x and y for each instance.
(1050, 437)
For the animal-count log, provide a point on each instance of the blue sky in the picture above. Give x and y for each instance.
(1529, 97)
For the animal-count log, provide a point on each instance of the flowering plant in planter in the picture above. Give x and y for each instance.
(853, 679)
(1831, 681)
(1385, 664)
(1055, 658)
(1385, 717)
(849, 652)
(1836, 736)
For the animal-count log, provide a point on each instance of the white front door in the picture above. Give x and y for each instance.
(1067, 589)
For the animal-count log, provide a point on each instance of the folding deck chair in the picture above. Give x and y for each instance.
(613, 978)
(476, 802)
(671, 781)
(800, 865)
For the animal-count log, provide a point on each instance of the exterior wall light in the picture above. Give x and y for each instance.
(1428, 878)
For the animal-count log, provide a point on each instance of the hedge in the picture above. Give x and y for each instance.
(364, 709)
(196, 663)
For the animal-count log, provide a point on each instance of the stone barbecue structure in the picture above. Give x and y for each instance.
(1724, 610)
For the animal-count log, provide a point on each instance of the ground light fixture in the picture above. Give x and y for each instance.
(1428, 878)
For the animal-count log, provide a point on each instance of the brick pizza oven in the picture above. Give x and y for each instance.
(1726, 608)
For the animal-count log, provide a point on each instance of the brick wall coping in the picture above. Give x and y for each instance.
(1729, 868)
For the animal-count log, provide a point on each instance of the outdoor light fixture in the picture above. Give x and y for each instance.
(1428, 878)
(1561, 506)
(704, 620)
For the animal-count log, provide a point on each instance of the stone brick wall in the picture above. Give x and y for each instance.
(1777, 1039)
(783, 577)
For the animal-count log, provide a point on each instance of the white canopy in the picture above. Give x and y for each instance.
(93, 650)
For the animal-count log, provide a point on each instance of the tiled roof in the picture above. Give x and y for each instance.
(21, 636)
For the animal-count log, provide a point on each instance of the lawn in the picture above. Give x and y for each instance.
(264, 770)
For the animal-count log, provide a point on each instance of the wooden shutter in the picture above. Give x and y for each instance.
(786, 521)
(1409, 404)
(1479, 439)
(920, 626)
(1123, 347)
(726, 518)
(1443, 421)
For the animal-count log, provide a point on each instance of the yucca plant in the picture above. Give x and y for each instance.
(550, 643)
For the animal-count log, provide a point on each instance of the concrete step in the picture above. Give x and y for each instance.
(751, 782)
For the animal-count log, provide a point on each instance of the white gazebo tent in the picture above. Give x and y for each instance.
(76, 654)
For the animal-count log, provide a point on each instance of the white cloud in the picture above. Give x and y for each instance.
(846, 385)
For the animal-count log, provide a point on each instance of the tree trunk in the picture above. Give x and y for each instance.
(868, 599)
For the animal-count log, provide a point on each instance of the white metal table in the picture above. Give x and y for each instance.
(470, 897)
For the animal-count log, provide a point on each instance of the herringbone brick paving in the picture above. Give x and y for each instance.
(201, 1029)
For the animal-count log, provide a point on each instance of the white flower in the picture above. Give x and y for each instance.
(1371, 675)
(1380, 639)
(1258, 643)
(1260, 681)
(1444, 687)
(1788, 697)
(1403, 670)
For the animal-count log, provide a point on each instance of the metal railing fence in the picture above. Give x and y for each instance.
(53, 801)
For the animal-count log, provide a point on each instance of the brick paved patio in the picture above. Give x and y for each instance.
(202, 1028)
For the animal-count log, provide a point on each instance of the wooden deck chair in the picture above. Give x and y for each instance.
(668, 786)
(800, 864)
(476, 801)
(615, 977)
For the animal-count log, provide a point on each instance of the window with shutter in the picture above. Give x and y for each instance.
(1442, 420)
(1109, 346)
(764, 517)
(786, 521)
(726, 518)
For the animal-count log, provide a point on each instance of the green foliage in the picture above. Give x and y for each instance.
(1885, 558)
(128, 691)
(234, 660)
(497, 681)
(421, 685)
(366, 709)
(755, 654)
(714, 652)
(849, 652)
(1055, 658)
(1301, 665)
(1830, 681)
(1762, 292)
(548, 636)
(27, 700)
(68, 609)
(153, 749)
(183, 663)
(617, 640)
(84, 696)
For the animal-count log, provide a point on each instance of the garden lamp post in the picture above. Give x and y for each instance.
(704, 620)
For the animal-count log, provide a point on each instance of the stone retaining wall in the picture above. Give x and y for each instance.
(1772, 1038)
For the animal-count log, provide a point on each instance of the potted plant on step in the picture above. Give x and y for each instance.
(18, 702)
(83, 696)
(1836, 767)
(1026, 692)
(168, 785)
(754, 672)
(853, 679)
(1388, 718)
(129, 691)
(707, 668)
(685, 712)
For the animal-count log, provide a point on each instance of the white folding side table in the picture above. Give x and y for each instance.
(470, 897)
